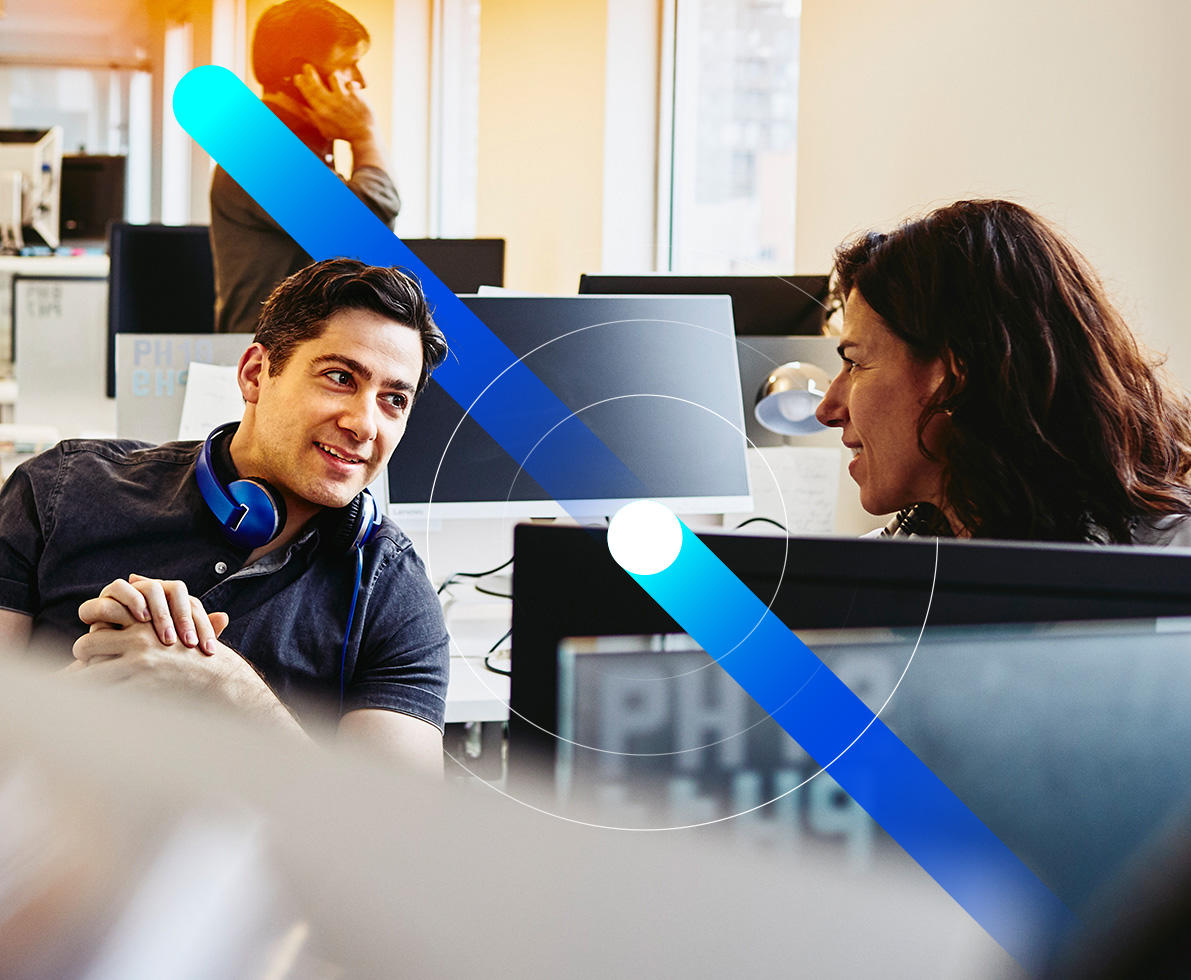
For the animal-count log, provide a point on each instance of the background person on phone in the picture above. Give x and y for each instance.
(305, 54)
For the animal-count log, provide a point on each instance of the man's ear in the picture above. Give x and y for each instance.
(252, 369)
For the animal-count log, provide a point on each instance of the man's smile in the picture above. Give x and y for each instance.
(339, 454)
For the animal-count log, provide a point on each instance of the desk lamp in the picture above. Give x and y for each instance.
(788, 397)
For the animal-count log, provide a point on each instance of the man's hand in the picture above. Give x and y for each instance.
(338, 110)
(135, 655)
(166, 603)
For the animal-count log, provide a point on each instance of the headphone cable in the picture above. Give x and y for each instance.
(351, 615)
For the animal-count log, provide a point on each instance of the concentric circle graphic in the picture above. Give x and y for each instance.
(712, 660)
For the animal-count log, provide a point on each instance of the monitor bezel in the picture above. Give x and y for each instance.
(566, 584)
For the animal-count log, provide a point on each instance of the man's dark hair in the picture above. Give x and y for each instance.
(298, 309)
(292, 33)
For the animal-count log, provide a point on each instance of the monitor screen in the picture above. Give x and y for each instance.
(1067, 740)
(1065, 737)
(36, 156)
(463, 264)
(92, 195)
(764, 306)
(654, 378)
(161, 281)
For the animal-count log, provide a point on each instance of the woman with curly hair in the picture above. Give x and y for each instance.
(990, 389)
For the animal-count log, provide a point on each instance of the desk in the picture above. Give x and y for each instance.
(475, 622)
(53, 337)
(475, 693)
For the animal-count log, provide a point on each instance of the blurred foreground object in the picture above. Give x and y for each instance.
(147, 840)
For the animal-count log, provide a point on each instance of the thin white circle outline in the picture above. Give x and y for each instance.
(781, 495)
(753, 809)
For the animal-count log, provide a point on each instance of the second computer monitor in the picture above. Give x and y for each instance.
(764, 306)
(463, 264)
(161, 281)
(654, 378)
(92, 196)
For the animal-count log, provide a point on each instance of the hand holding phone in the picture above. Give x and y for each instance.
(335, 107)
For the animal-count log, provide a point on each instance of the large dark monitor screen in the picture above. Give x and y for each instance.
(1067, 740)
(654, 378)
(1065, 737)
(566, 584)
(463, 264)
(161, 281)
(92, 196)
(761, 305)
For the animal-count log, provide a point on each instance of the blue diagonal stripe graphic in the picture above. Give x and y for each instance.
(698, 591)
(875, 768)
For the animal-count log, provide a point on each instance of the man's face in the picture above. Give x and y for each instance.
(323, 427)
(342, 64)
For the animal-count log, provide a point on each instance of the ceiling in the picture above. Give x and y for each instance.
(74, 17)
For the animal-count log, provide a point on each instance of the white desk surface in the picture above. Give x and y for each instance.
(476, 693)
(475, 623)
(88, 264)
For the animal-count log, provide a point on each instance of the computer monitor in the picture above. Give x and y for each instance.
(765, 306)
(30, 171)
(161, 280)
(463, 264)
(654, 377)
(1067, 740)
(1064, 736)
(92, 196)
(566, 584)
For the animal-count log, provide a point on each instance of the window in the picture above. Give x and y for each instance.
(100, 110)
(728, 182)
(454, 146)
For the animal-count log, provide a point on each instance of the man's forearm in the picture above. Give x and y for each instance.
(252, 696)
(367, 152)
(136, 655)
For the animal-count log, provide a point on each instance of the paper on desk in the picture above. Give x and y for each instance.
(805, 478)
(212, 398)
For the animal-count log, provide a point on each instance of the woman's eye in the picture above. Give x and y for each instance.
(848, 365)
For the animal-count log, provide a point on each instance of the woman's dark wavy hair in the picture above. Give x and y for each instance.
(1060, 427)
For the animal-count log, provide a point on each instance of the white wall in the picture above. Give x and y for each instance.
(1078, 108)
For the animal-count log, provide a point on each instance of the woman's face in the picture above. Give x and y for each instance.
(876, 400)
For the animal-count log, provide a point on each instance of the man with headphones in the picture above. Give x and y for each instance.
(305, 54)
(318, 604)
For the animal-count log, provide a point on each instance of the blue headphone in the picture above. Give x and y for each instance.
(252, 513)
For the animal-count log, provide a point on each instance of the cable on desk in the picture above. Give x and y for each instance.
(492, 650)
(454, 576)
(767, 520)
(498, 595)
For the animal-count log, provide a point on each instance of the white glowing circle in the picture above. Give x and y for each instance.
(644, 537)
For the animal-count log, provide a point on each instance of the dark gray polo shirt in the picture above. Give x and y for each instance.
(87, 511)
